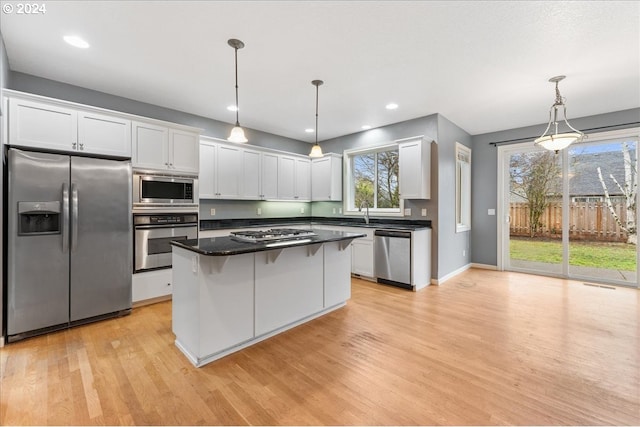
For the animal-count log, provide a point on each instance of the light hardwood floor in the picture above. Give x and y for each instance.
(484, 348)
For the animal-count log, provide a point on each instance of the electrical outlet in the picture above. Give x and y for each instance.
(464, 252)
(339, 210)
(259, 211)
(407, 212)
(424, 212)
(334, 210)
(213, 211)
(491, 212)
(301, 210)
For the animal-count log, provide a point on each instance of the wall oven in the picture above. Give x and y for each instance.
(157, 191)
(153, 233)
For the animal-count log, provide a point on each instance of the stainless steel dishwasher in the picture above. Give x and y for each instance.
(393, 257)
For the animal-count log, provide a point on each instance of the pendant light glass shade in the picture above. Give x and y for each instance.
(316, 151)
(237, 133)
(558, 141)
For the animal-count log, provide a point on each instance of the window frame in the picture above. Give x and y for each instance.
(463, 189)
(349, 207)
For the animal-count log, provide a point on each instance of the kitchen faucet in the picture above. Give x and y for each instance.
(366, 213)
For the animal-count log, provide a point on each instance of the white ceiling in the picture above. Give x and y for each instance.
(484, 65)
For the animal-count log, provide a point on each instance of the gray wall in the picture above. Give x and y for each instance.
(446, 245)
(213, 128)
(453, 248)
(484, 175)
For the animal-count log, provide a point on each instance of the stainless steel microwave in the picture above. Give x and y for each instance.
(164, 190)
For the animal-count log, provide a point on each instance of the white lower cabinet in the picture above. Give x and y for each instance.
(362, 258)
(150, 285)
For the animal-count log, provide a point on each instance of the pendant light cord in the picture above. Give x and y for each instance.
(237, 106)
(317, 114)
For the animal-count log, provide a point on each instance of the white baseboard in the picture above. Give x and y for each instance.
(454, 273)
(484, 266)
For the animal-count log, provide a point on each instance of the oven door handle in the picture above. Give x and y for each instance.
(147, 227)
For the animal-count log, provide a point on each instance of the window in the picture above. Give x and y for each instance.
(463, 188)
(372, 180)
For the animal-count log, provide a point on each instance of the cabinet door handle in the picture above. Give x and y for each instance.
(73, 145)
(82, 147)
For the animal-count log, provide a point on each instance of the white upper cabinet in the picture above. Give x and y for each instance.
(39, 125)
(251, 168)
(150, 146)
(229, 172)
(161, 148)
(302, 180)
(286, 177)
(54, 127)
(415, 168)
(220, 174)
(207, 184)
(294, 178)
(269, 176)
(326, 178)
(183, 151)
(57, 125)
(103, 134)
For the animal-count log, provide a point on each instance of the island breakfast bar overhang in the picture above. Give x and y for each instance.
(229, 295)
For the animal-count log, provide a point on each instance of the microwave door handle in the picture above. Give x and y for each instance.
(65, 218)
(74, 217)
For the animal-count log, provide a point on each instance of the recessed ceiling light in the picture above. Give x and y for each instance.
(76, 42)
(232, 108)
(365, 127)
(391, 106)
(309, 130)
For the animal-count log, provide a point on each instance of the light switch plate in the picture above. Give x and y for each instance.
(407, 212)
(491, 212)
(259, 211)
(213, 211)
(424, 212)
(301, 210)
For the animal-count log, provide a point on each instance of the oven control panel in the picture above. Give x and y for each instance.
(162, 219)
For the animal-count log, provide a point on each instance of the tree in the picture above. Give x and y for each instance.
(376, 179)
(628, 190)
(534, 177)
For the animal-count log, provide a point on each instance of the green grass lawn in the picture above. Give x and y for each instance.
(611, 256)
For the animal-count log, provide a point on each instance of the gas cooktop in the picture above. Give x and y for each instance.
(271, 235)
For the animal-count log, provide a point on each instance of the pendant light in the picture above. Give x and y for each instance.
(557, 141)
(316, 151)
(237, 133)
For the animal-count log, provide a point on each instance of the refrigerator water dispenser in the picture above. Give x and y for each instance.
(37, 218)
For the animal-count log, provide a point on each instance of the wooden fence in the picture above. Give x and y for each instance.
(587, 221)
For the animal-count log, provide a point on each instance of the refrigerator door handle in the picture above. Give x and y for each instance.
(65, 218)
(74, 217)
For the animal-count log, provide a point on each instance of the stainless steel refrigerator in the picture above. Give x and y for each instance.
(69, 239)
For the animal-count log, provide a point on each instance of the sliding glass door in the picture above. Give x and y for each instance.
(534, 196)
(602, 217)
(572, 214)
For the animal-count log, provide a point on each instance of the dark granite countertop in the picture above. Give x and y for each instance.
(221, 224)
(223, 246)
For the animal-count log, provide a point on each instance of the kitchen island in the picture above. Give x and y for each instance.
(230, 294)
